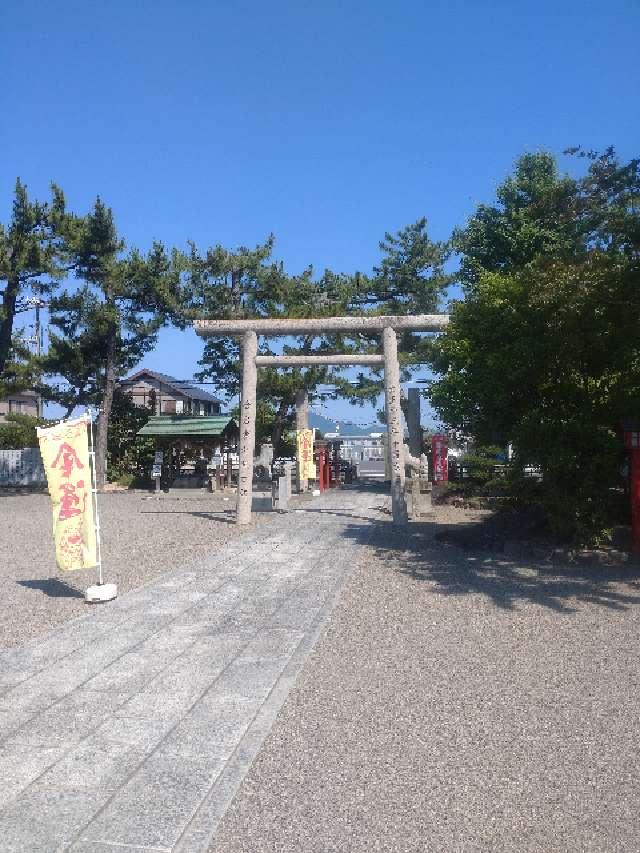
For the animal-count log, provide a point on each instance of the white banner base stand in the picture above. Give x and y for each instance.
(101, 592)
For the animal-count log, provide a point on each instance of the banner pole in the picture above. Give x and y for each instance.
(94, 492)
(101, 591)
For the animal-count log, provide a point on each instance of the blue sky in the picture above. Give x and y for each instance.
(325, 123)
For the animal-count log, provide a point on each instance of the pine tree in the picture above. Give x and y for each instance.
(30, 264)
(103, 326)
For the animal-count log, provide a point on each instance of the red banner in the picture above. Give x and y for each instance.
(439, 458)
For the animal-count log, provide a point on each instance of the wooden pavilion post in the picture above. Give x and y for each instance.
(394, 425)
(247, 427)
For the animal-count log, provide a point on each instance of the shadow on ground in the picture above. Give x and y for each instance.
(52, 587)
(492, 557)
(225, 515)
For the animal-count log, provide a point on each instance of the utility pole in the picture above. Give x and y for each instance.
(37, 340)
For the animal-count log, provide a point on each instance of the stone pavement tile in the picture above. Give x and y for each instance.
(85, 846)
(201, 830)
(271, 643)
(68, 721)
(44, 820)
(9, 722)
(157, 803)
(255, 609)
(179, 579)
(132, 672)
(135, 731)
(252, 678)
(299, 610)
(213, 727)
(267, 585)
(175, 635)
(93, 770)
(173, 604)
(96, 762)
(19, 767)
(21, 663)
(160, 649)
(152, 722)
(212, 582)
(292, 568)
(211, 610)
(151, 600)
(64, 676)
(186, 679)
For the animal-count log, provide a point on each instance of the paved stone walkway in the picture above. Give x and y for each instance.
(133, 727)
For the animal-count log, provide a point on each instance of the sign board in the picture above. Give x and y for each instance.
(439, 458)
(306, 465)
(156, 471)
(65, 454)
(216, 460)
(159, 457)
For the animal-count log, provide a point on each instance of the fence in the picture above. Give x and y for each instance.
(21, 468)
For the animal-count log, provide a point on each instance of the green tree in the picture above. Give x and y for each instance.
(105, 321)
(129, 456)
(19, 431)
(410, 279)
(543, 351)
(536, 215)
(248, 283)
(29, 266)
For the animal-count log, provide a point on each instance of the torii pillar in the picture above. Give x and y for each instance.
(247, 427)
(394, 425)
(302, 422)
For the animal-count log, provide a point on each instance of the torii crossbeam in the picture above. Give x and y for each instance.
(386, 325)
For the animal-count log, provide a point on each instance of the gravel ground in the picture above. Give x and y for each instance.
(459, 700)
(142, 537)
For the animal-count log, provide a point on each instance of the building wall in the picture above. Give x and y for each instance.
(20, 404)
(168, 400)
(359, 448)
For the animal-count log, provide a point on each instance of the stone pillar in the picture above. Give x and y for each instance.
(302, 422)
(394, 425)
(413, 422)
(247, 427)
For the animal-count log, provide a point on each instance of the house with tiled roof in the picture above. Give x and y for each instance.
(167, 395)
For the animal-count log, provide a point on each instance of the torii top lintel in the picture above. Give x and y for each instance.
(277, 327)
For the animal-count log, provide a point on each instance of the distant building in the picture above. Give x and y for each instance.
(20, 403)
(168, 395)
(359, 444)
(360, 448)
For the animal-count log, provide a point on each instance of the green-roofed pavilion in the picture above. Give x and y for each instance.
(184, 426)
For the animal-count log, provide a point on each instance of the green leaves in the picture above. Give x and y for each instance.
(544, 350)
(120, 297)
(29, 265)
(411, 277)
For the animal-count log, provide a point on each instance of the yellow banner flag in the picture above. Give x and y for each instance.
(65, 454)
(306, 465)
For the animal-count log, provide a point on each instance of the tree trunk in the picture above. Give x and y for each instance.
(236, 294)
(9, 299)
(105, 413)
(278, 427)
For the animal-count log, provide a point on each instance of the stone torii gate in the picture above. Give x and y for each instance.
(386, 326)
